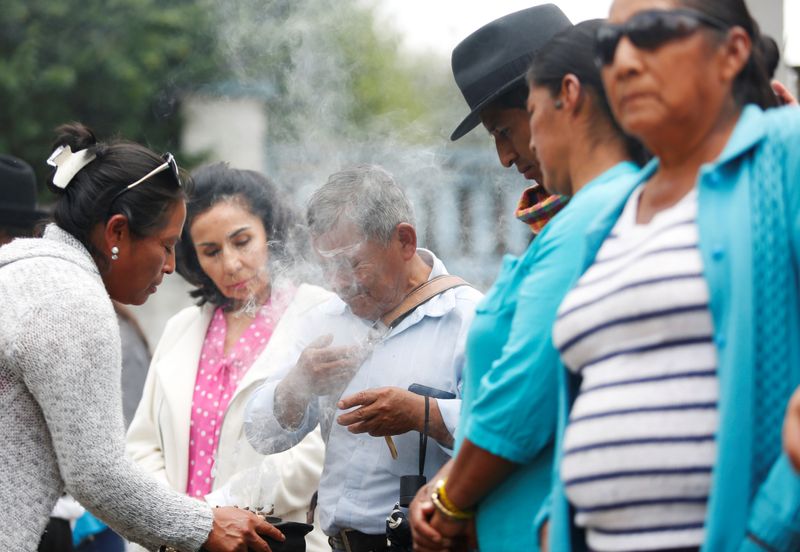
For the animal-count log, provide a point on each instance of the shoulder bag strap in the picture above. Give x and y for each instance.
(420, 295)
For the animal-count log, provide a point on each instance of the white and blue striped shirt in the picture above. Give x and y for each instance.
(640, 443)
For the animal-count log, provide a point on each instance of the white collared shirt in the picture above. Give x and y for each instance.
(360, 481)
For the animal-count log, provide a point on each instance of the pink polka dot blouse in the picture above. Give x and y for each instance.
(217, 378)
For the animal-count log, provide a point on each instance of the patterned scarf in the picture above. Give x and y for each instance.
(536, 207)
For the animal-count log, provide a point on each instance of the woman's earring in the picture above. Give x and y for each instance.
(114, 253)
(558, 104)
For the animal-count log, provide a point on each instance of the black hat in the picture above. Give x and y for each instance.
(495, 57)
(18, 194)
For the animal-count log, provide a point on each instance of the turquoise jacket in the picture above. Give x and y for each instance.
(749, 227)
(510, 393)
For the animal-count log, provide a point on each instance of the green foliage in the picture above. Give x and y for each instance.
(332, 72)
(121, 66)
(382, 84)
(115, 65)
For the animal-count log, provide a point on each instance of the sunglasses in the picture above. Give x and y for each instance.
(650, 29)
(169, 163)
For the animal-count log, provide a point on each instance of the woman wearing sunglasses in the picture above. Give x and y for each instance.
(118, 215)
(681, 336)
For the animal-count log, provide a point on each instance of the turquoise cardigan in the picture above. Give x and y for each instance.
(749, 226)
(509, 398)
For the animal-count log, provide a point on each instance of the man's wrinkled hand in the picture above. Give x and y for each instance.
(325, 369)
(382, 411)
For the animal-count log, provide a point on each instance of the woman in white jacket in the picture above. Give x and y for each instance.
(188, 428)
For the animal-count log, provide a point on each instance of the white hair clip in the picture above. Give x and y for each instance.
(68, 163)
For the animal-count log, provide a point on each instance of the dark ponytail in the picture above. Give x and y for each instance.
(752, 85)
(91, 198)
(571, 52)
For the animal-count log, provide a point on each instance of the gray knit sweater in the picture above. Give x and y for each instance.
(62, 426)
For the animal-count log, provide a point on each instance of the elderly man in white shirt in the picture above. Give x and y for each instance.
(353, 376)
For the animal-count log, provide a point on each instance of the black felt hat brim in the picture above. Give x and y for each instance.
(21, 219)
(474, 118)
(495, 58)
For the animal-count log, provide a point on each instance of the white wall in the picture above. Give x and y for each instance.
(770, 16)
(226, 129)
(791, 18)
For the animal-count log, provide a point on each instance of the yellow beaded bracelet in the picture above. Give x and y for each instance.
(446, 506)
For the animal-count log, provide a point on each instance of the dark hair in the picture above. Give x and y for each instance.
(516, 97)
(752, 85)
(772, 54)
(91, 197)
(571, 52)
(219, 183)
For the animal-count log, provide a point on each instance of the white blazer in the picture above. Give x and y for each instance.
(158, 437)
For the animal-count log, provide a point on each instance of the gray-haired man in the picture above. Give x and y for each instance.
(362, 230)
